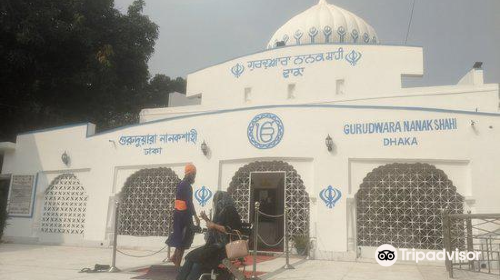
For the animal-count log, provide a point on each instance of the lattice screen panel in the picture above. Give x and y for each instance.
(296, 197)
(64, 207)
(147, 202)
(402, 205)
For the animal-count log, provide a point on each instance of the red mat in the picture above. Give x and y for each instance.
(260, 258)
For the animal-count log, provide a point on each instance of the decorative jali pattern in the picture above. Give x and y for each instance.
(64, 206)
(296, 197)
(147, 202)
(403, 204)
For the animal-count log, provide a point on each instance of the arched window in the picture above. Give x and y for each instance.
(64, 206)
(403, 204)
(147, 202)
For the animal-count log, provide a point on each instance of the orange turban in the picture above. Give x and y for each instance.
(190, 168)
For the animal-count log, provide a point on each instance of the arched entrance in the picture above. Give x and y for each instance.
(402, 205)
(295, 196)
(147, 202)
(64, 206)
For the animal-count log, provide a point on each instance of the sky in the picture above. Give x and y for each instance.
(194, 34)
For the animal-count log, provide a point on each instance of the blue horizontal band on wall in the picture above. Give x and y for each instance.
(225, 111)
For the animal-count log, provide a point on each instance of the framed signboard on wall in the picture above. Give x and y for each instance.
(21, 196)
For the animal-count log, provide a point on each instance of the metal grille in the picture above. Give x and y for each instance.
(296, 197)
(482, 234)
(64, 207)
(403, 204)
(147, 202)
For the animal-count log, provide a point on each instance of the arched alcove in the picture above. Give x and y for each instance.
(147, 202)
(296, 197)
(64, 206)
(402, 205)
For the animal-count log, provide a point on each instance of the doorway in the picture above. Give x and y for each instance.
(268, 188)
(295, 194)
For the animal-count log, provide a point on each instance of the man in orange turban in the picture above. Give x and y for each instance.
(189, 169)
(183, 234)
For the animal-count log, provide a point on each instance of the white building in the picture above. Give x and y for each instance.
(397, 157)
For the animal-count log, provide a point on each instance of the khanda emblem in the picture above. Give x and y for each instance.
(203, 195)
(353, 57)
(237, 70)
(265, 131)
(330, 196)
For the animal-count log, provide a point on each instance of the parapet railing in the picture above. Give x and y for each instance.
(473, 233)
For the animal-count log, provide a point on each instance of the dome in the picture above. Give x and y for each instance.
(324, 23)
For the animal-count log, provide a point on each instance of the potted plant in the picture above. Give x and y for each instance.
(301, 243)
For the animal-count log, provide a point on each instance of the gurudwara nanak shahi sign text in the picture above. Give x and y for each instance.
(21, 195)
(145, 141)
(401, 126)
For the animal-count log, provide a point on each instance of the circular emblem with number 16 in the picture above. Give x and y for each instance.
(265, 131)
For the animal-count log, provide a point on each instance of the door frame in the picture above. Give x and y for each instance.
(250, 195)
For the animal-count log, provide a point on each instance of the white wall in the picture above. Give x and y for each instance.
(468, 155)
(375, 79)
(377, 72)
(176, 99)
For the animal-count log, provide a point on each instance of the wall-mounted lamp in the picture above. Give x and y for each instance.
(113, 142)
(65, 159)
(204, 148)
(472, 123)
(329, 143)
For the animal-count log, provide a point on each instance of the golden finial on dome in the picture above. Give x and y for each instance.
(322, 2)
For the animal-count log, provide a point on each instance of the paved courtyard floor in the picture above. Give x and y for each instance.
(368, 270)
(35, 262)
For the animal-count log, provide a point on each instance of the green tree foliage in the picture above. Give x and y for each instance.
(70, 61)
(156, 94)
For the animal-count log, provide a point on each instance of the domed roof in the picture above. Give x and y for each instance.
(324, 23)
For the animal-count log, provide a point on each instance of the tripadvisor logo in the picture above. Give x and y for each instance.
(387, 255)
